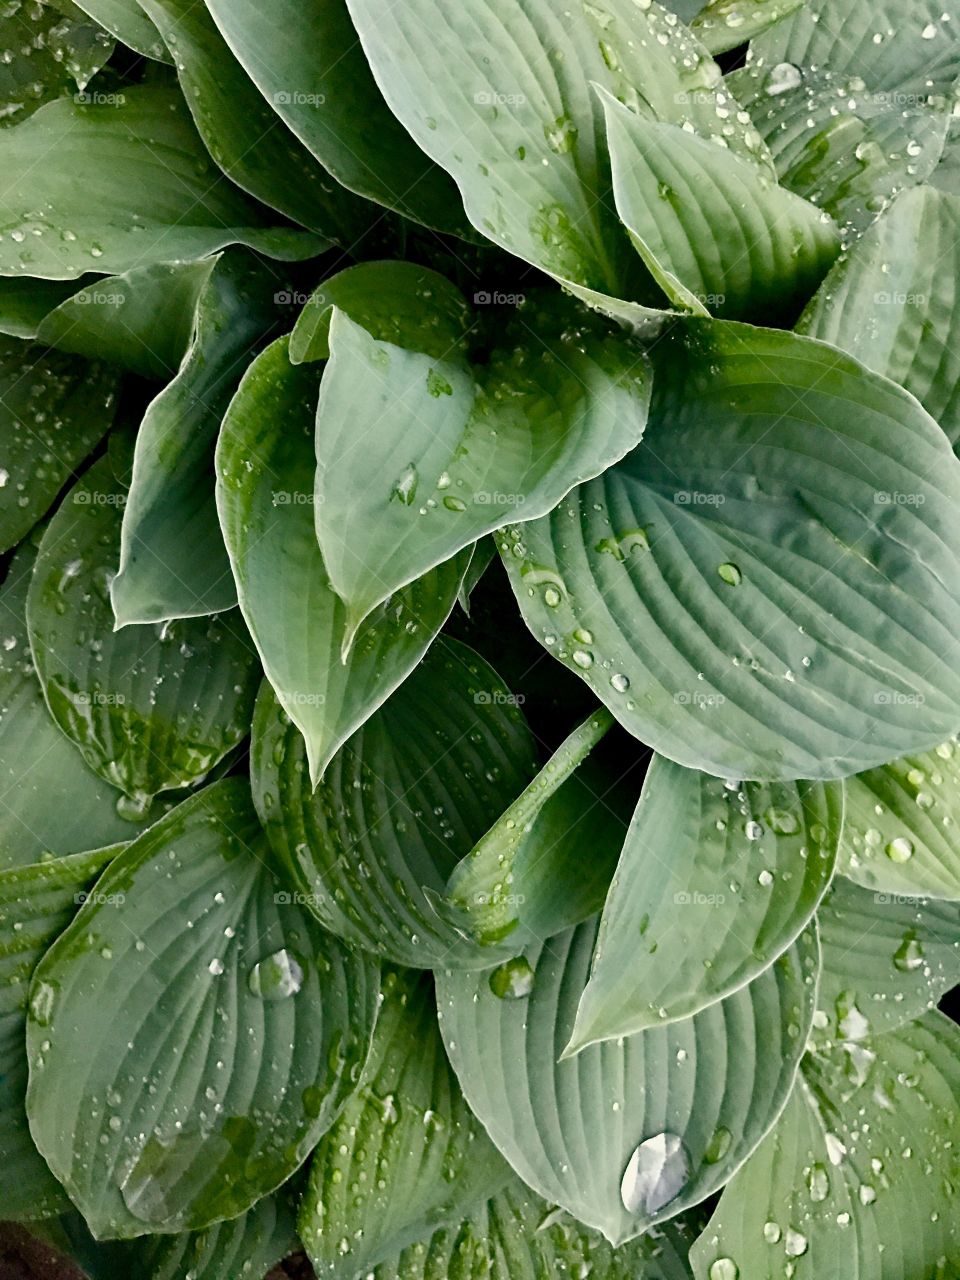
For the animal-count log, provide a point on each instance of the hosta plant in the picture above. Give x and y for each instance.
(480, 619)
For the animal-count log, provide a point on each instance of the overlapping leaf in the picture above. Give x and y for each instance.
(127, 20)
(724, 24)
(45, 55)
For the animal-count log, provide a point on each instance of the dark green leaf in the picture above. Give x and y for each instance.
(127, 21)
(45, 55)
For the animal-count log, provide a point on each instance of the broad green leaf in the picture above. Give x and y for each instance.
(178, 1075)
(946, 176)
(25, 302)
(241, 131)
(123, 185)
(54, 409)
(904, 47)
(902, 822)
(419, 454)
(528, 876)
(715, 881)
(404, 797)
(724, 24)
(50, 801)
(141, 320)
(634, 1131)
(265, 489)
(36, 904)
(171, 503)
(770, 582)
(518, 1236)
(892, 302)
(406, 1136)
(127, 20)
(45, 55)
(715, 230)
(887, 959)
(857, 1178)
(508, 109)
(150, 708)
(304, 58)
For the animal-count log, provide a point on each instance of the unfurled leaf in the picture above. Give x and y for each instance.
(265, 489)
(749, 576)
(25, 302)
(420, 454)
(724, 24)
(900, 834)
(388, 820)
(175, 1080)
(45, 55)
(123, 184)
(172, 494)
(716, 232)
(54, 410)
(150, 708)
(409, 1116)
(127, 20)
(631, 1132)
(887, 958)
(857, 1177)
(715, 881)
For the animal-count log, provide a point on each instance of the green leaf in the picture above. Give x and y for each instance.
(891, 302)
(717, 233)
(24, 303)
(484, 553)
(127, 20)
(123, 185)
(902, 47)
(419, 454)
(265, 487)
(241, 131)
(36, 904)
(304, 58)
(141, 320)
(45, 55)
(54, 409)
(509, 111)
(857, 1177)
(407, 1119)
(633, 1131)
(150, 708)
(405, 796)
(900, 834)
(526, 879)
(172, 502)
(724, 24)
(178, 1076)
(751, 576)
(887, 958)
(36, 760)
(715, 881)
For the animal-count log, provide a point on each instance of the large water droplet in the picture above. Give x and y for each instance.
(405, 487)
(512, 980)
(909, 955)
(900, 850)
(276, 977)
(783, 77)
(655, 1174)
(724, 1269)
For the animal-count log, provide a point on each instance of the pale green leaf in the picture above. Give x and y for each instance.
(724, 24)
(45, 55)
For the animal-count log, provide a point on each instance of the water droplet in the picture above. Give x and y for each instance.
(655, 1174)
(795, 1243)
(772, 1232)
(512, 980)
(405, 488)
(900, 849)
(783, 77)
(731, 574)
(620, 682)
(909, 955)
(583, 659)
(277, 976)
(724, 1269)
(718, 1146)
(216, 967)
(818, 1183)
(754, 831)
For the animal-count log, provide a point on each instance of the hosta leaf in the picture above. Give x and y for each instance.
(36, 760)
(857, 1178)
(45, 55)
(54, 409)
(904, 46)
(724, 24)
(517, 1236)
(751, 576)
(714, 882)
(419, 455)
(630, 1132)
(528, 878)
(407, 1118)
(142, 320)
(892, 302)
(509, 111)
(25, 302)
(484, 553)
(887, 958)
(36, 904)
(900, 834)
(305, 60)
(265, 489)
(171, 502)
(242, 132)
(405, 796)
(717, 233)
(177, 1076)
(150, 708)
(127, 20)
(123, 185)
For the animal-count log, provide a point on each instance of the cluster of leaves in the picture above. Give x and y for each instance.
(480, 668)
